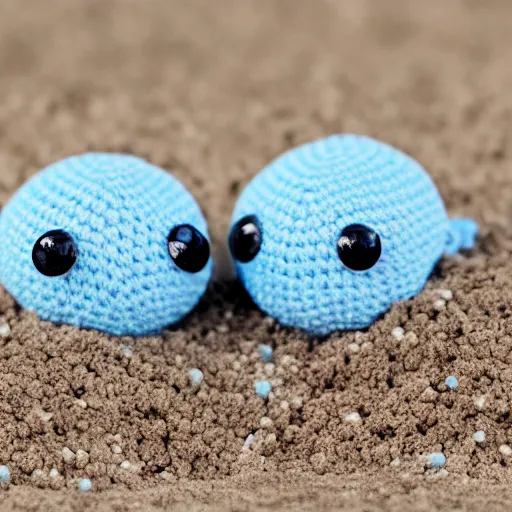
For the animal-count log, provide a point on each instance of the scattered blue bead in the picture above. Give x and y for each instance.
(5, 475)
(196, 376)
(436, 460)
(451, 382)
(266, 353)
(479, 437)
(85, 484)
(263, 388)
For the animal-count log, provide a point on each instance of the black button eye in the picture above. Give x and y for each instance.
(188, 248)
(54, 253)
(245, 239)
(359, 247)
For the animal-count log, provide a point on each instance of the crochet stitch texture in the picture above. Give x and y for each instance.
(306, 197)
(119, 211)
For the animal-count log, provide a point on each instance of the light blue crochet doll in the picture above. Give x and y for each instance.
(332, 233)
(105, 241)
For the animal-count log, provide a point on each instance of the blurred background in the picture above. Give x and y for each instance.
(213, 90)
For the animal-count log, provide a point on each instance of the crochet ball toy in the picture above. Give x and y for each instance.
(332, 233)
(105, 241)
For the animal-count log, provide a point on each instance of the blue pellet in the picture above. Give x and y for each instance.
(436, 460)
(479, 437)
(263, 388)
(85, 484)
(266, 353)
(451, 382)
(5, 476)
(196, 376)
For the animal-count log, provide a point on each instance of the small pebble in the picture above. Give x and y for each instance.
(5, 476)
(82, 459)
(116, 449)
(266, 353)
(196, 376)
(444, 294)
(296, 402)
(480, 403)
(367, 345)
(126, 465)
(248, 442)
(165, 475)
(436, 460)
(266, 422)
(395, 462)
(81, 403)
(439, 304)
(45, 416)
(127, 350)
(5, 330)
(37, 474)
(352, 417)
(85, 484)
(54, 473)
(354, 348)
(263, 388)
(67, 454)
(411, 339)
(398, 333)
(505, 450)
(451, 382)
(479, 437)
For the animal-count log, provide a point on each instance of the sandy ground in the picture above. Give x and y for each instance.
(212, 91)
(287, 492)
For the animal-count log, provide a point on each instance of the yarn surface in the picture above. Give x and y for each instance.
(119, 211)
(289, 254)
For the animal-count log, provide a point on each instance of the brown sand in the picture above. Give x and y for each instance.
(212, 91)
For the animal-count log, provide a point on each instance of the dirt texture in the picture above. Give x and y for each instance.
(212, 91)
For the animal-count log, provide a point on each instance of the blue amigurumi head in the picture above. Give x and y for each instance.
(105, 241)
(332, 233)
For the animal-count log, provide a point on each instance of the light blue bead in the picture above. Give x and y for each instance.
(196, 376)
(5, 475)
(119, 211)
(85, 484)
(263, 388)
(306, 197)
(436, 460)
(451, 382)
(266, 353)
(479, 437)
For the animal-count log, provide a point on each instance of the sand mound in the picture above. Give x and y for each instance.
(129, 412)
